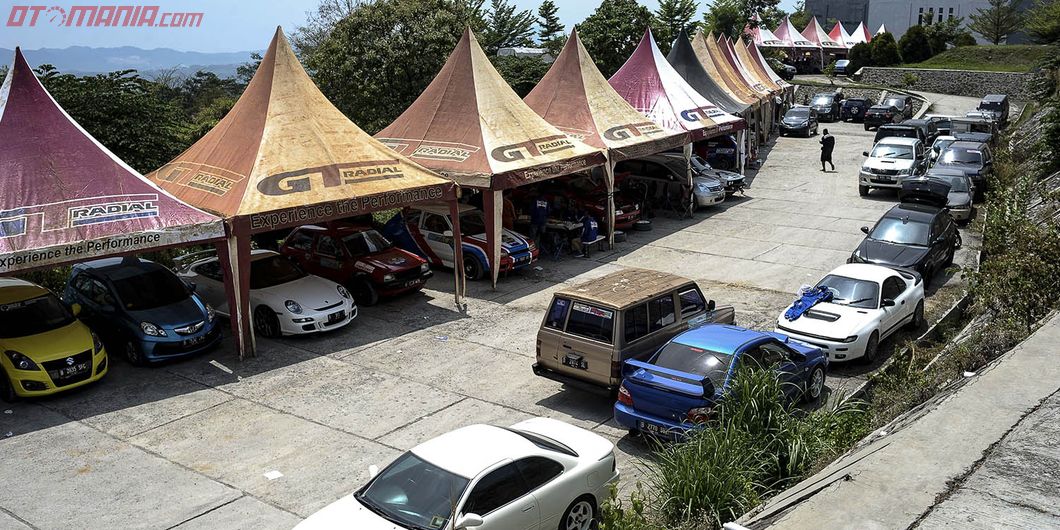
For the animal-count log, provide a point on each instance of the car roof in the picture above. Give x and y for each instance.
(723, 338)
(899, 140)
(915, 122)
(864, 271)
(468, 451)
(118, 268)
(855, 100)
(882, 106)
(945, 137)
(947, 172)
(912, 211)
(995, 98)
(18, 290)
(965, 144)
(625, 288)
(440, 208)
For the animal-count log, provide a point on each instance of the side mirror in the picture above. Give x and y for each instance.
(447, 233)
(865, 229)
(75, 309)
(864, 153)
(887, 302)
(468, 520)
(711, 305)
(373, 470)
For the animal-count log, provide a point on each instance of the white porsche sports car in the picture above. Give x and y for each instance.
(284, 299)
(869, 303)
(539, 473)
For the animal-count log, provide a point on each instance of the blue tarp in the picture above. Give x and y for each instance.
(809, 298)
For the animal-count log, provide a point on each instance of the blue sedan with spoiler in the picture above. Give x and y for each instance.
(677, 388)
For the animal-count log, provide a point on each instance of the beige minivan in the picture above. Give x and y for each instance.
(591, 328)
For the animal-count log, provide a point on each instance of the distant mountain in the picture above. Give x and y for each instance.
(87, 60)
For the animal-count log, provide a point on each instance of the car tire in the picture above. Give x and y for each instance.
(363, 292)
(133, 354)
(580, 515)
(866, 126)
(863, 190)
(872, 348)
(7, 388)
(265, 322)
(928, 275)
(919, 320)
(949, 258)
(473, 270)
(815, 386)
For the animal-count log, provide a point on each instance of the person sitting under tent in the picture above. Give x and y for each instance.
(590, 235)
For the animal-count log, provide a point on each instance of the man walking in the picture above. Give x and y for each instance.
(827, 145)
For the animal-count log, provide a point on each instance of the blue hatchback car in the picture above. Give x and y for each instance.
(142, 309)
(676, 389)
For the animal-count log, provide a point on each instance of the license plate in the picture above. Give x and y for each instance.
(336, 317)
(194, 341)
(618, 212)
(413, 282)
(884, 179)
(522, 258)
(649, 427)
(72, 370)
(575, 361)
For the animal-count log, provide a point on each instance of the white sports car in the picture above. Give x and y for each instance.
(869, 303)
(284, 299)
(537, 474)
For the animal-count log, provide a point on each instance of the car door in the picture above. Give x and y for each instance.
(434, 228)
(299, 247)
(503, 500)
(941, 241)
(921, 159)
(98, 306)
(553, 493)
(790, 374)
(328, 257)
(893, 289)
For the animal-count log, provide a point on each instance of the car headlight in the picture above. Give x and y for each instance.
(850, 339)
(20, 361)
(343, 292)
(701, 187)
(904, 172)
(293, 307)
(389, 277)
(425, 267)
(210, 313)
(97, 345)
(152, 330)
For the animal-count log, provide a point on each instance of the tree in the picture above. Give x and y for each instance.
(522, 73)
(885, 50)
(725, 17)
(549, 29)
(245, 72)
(319, 23)
(612, 32)
(995, 22)
(941, 34)
(1043, 21)
(964, 39)
(860, 55)
(373, 80)
(768, 12)
(672, 17)
(801, 16)
(914, 45)
(505, 26)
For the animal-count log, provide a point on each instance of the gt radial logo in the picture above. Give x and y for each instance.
(101, 16)
(700, 113)
(114, 211)
(532, 148)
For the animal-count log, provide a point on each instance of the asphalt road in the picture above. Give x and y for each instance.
(190, 444)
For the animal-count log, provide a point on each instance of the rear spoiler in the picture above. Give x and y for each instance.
(909, 274)
(671, 380)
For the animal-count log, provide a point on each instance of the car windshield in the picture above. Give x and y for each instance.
(699, 361)
(699, 164)
(33, 316)
(901, 232)
(900, 152)
(853, 103)
(798, 113)
(990, 105)
(822, 100)
(895, 102)
(939, 145)
(366, 242)
(413, 493)
(149, 290)
(472, 222)
(273, 271)
(957, 183)
(961, 155)
(850, 291)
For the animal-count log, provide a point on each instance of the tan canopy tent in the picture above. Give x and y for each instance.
(285, 156)
(576, 98)
(469, 125)
(716, 64)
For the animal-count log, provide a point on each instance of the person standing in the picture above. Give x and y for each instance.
(827, 145)
(539, 218)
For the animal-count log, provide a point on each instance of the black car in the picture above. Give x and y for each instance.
(827, 105)
(878, 115)
(799, 120)
(785, 71)
(903, 103)
(917, 234)
(996, 106)
(900, 130)
(930, 128)
(853, 109)
(974, 158)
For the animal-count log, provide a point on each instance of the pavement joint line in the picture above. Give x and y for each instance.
(207, 511)
(215, 405)
(15, 516)
(423, 417)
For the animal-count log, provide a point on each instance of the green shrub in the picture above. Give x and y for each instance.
(885, 50)
(860, 55)
(964, 39)
(914, 45)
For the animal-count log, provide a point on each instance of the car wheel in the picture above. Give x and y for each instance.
(866, 126)
(872, 348)
(473, 270)
(815, 386)
(863, 190)
(949, 257)
(133, 354)
(918, 316)
(928, 275)
(265, 322)
(580, 515)
(7, 388)
(363, 292)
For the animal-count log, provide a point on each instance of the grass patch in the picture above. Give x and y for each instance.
(987, 58)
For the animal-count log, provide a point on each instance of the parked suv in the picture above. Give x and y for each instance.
(357, 257)
(827, 105)
(996, 107)
(879, 115)
(592, 328)
(890, 160)
(903, 103)
(853, 109)
(928, 126)
(900, 130)
(974, 158)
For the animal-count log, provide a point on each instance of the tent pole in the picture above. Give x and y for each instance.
(234, 254)
(458, 254)
(609, 168)
(688, 169)
(493, 203)
(743, 152)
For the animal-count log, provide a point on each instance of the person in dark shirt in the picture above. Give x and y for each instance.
(590, 232)
(539, 211)
(827, 145)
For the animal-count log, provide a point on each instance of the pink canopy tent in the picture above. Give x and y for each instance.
(791, 37)
(815, 34)
(65, 198)
(840, 35)
(761, 35)
(860, 34)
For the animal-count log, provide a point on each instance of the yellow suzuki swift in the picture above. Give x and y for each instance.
(45, 349)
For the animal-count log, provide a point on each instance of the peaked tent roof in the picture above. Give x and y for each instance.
(683, 58)
(761, 85)
(576, 98)
(655, 89)
(815, 34)
(64, 197)
(761, 34)
(470, 125)
(285, 155)
(861, 34)
(760, 60)
(840, 35)
(883, 29)
(723, 54)
(748, 63)
(787, 32)
(721, 71)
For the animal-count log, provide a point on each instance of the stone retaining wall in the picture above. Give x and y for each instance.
(953, 82)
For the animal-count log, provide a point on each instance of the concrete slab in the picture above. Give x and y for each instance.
(972, 510)
(8, 522)
(460, 414)
(244, 513)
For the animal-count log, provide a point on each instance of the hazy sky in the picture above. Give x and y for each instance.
(227, 25)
